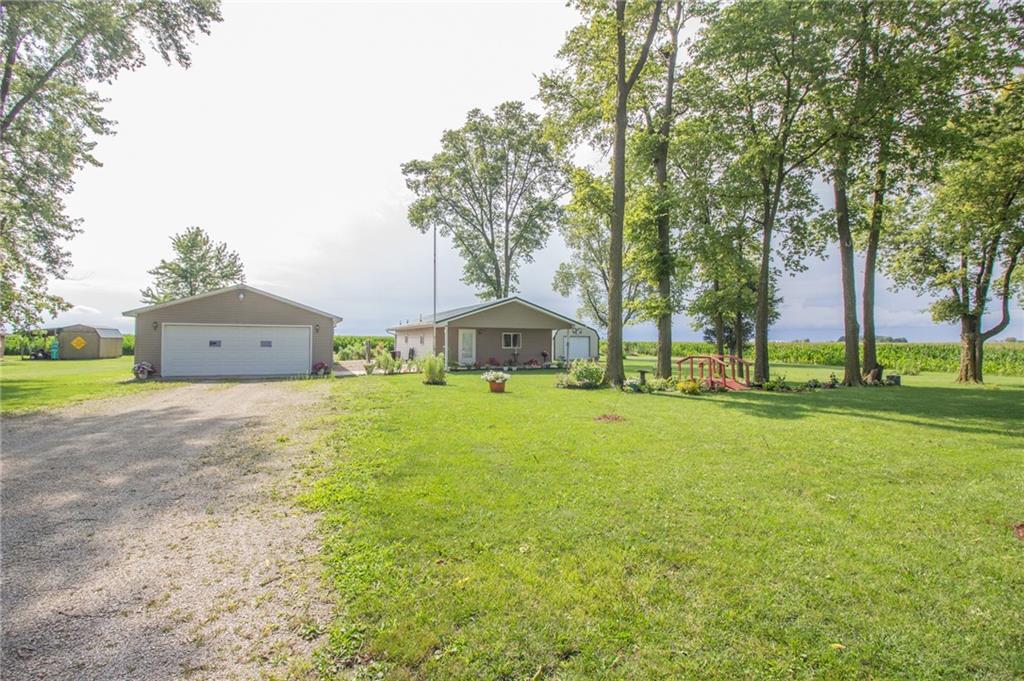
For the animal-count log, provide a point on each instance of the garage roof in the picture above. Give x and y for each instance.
(451, 315)
(236, 287)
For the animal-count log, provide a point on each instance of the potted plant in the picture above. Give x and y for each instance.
(321, 369)
(142, 370)
(496, 379)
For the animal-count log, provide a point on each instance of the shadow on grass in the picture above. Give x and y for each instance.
(965, 410)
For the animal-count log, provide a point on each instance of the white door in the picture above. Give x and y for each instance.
(467, 346)
(579, 347)
(227, 350)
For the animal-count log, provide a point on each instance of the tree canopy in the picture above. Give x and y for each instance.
(50, 116)
(493, 189)
(199, 265)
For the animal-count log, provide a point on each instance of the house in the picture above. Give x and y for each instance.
(81, 341)
(507, 331)
(236, 331)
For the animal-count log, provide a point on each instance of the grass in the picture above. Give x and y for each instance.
(28, 385)
(849, 533)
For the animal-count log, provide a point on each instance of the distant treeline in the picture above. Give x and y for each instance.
(23, 344)
(1004, 359)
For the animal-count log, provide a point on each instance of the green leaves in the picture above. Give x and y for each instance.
(493, 189)
(200, 265)
(51, 55)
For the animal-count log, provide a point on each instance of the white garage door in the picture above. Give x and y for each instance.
(579, 347)
(213, 350)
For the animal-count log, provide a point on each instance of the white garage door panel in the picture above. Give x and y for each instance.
(243, 350)
(579, 347)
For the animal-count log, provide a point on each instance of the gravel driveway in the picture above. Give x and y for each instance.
(154, 537)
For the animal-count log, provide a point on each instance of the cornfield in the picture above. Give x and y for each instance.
(1001, 359)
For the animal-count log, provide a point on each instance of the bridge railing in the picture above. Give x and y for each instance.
(719, 367)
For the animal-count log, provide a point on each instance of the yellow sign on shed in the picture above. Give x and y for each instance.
(78, 343)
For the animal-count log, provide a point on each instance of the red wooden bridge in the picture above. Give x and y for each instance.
(718, 371)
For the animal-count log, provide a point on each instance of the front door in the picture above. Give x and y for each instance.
(467, 346)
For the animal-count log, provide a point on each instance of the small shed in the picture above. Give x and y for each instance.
(578, 342)
(88, 342)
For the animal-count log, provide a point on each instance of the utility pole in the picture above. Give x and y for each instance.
(433, 319)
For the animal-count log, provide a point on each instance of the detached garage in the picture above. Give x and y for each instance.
(238, 331)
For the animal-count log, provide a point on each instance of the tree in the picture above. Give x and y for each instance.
(766, 58)
(894, 77)
(586, 232)
(963, 240)
(493, 188)
(50, 54)
(588, 100)
(927, 58)
(200, 265)
(660, 115)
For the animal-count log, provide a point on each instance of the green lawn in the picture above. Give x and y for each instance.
(27, 385)
(849, 533)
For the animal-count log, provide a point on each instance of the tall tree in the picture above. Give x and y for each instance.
(767, 58)
(493, 188)
(615, 373)
(199, 265)
(51, 55)
(895, 73)
(924, 59)
(588, 101)
(965, 238)
(586, 233)
(660, 115)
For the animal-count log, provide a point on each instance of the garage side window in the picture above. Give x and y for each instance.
(511, 341)
(215, 344)
(266, 344)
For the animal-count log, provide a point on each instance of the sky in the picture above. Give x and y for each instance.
(285, 139)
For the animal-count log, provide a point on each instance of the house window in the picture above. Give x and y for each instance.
(406, 340)
(511, 341)
(421, 340)
(266, 344)
(215, 344)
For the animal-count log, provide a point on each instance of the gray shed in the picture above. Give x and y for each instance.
(88, 342)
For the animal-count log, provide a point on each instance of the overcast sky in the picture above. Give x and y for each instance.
(285, 138)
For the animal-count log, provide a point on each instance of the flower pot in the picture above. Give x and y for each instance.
(497, 387)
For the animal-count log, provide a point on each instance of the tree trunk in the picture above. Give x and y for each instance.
(614, 371)
(663, 219)
(761, 314)
(970, 343)
(737, 336)
(871, 257)
(851, 354)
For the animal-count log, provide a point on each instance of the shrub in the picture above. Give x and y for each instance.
(386, 362)
(433, 369)
(128, 344)
(583, 373)
(660, 384)
(813, 384)
(776, 383)
(586, 373)
(632, 385)
(689, 386)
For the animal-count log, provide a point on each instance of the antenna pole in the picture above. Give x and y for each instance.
(433, 319)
